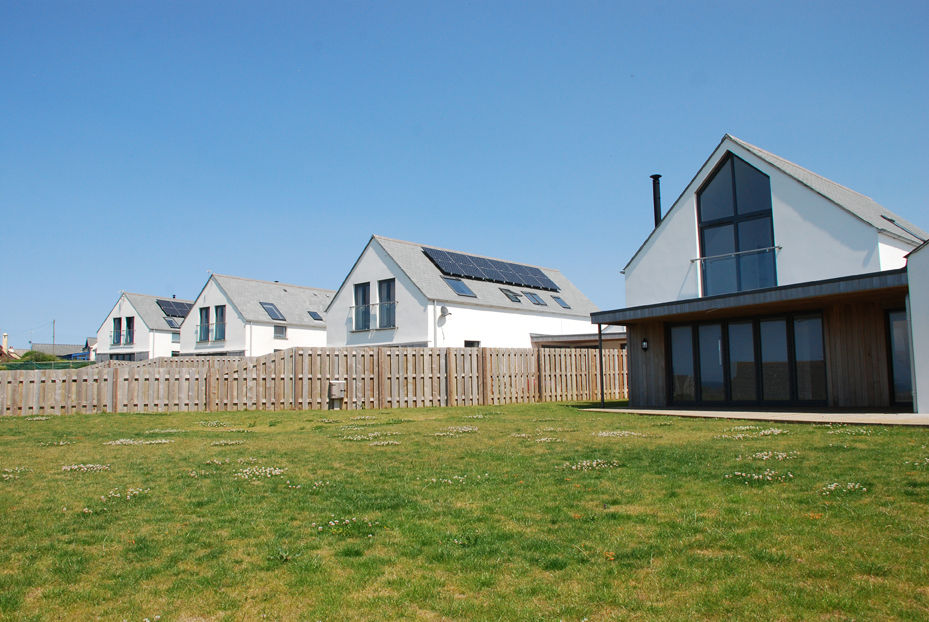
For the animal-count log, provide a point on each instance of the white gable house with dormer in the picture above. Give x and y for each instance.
(235, 316)
(406, 294)
(141, 327)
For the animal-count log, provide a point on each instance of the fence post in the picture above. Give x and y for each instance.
(485, 377)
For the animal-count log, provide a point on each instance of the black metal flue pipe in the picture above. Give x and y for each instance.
(656, 197)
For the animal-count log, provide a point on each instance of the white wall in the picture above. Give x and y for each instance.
(235, 339)
(141, 334)
(819, 240)
(160, 344)
(412, 324)
(260, 338)
(663, 271)
(498, 328)
(892, 252)
(918, 310)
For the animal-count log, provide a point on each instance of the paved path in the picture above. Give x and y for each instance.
(808, 417)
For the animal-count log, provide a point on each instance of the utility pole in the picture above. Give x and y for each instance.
(53, 336)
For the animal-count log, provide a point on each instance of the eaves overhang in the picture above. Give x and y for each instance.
(799, 295)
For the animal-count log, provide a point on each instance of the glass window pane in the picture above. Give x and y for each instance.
(900, 357)
(742, 377)
(775, 372)
(811, 364)
(752, 188)
(710, 339)
(719, 276)
(756, 270)
(716, 200)
(755, 233)
(718, 240)
(682, 365)
(362, 308)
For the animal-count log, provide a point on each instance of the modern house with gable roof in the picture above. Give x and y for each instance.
(405, 294)
(768, 286)
(141, 327)
(234, 316)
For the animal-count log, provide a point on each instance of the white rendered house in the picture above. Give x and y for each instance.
(234, 316)
(405, 294)
(141, 327)
(766, 285)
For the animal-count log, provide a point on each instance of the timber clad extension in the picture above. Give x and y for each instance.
(780, 289)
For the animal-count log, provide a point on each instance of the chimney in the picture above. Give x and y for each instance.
(656, 198)
(6, 346)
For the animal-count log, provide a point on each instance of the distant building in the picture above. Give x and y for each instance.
(140, 327)
(768, 286)
(234, 316)
(406, 294)
(61, 350)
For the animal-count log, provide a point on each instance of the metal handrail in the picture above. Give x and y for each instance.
(374, 319)
(737, 253)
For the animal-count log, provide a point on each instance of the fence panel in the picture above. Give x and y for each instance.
(299, 379)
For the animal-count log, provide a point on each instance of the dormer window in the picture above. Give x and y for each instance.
(736, 229)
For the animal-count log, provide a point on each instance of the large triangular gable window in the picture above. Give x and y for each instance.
(737, 251)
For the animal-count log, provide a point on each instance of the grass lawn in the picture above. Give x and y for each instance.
(527, 512)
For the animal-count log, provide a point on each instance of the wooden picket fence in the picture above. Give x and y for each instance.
(301, 379)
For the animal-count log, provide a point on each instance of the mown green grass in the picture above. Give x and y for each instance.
(483, 525)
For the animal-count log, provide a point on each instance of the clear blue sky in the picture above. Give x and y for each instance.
(146, 144)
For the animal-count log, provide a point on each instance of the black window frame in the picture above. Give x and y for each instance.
(361, 319)
(733, 220)
(890, 359)
(386, 308)
(756, 321)
(219, 325)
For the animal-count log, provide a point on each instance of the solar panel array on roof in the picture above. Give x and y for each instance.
(174, 308)
(493, 270)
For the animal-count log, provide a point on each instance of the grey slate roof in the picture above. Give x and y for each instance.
(864, 207)
(58, 349)
(293, 301)
(428, 278)
(150, 313)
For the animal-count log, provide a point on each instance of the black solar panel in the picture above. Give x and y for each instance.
(174, 308)
(493, 270)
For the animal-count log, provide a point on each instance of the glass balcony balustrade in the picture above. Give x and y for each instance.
(738, 272)
(376, 315)
(211, 332)
(122, 338)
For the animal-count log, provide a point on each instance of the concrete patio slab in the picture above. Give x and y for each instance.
(907, 418)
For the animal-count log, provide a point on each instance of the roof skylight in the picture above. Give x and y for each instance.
(460, 287)
(272, 311)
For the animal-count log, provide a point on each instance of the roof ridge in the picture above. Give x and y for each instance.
(242, 278)
(156, 297)
(774, 156)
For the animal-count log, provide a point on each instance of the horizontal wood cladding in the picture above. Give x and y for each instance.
(857, 355)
